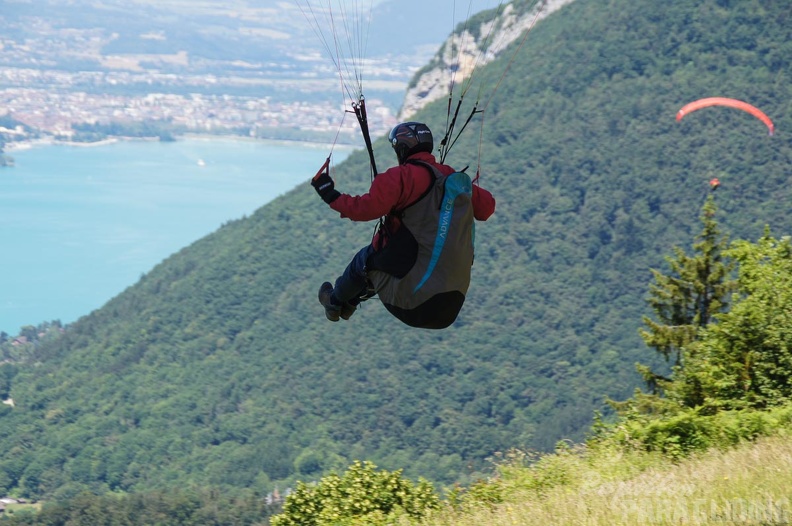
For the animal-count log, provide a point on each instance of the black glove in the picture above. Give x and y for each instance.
(325, 187)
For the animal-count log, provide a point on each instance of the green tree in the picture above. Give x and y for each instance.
(745, 360)
(687, 299)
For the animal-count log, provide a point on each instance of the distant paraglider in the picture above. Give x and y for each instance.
(723, 101)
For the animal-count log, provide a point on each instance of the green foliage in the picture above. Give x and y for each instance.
(483, 492)
(362, 495)
(689, 430)
(173, 507)
(745, 360)
(544, 472)
(22, 348)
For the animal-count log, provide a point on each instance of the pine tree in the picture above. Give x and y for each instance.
(686, 300)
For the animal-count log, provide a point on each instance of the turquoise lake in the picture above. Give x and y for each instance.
(78, 225)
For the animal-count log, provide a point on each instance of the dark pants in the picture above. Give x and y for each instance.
(352, 286)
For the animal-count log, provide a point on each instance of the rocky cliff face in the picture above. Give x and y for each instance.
(471, 48)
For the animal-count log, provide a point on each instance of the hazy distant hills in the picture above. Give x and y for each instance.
(254, 31)
(218, 368)
(275, 44)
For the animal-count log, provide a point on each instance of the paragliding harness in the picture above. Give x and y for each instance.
(423, 273)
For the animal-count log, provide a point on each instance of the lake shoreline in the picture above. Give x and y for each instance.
(49, 141)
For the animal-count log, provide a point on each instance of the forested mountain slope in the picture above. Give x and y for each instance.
(219, 369)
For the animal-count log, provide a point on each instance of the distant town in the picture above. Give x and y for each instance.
(55, 111)
(62, 84)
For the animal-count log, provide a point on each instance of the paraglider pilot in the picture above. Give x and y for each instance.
(390, 195)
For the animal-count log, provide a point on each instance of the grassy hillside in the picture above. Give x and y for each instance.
(219, 369)
(746, 485)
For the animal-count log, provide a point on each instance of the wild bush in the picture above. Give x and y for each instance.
(362, 495)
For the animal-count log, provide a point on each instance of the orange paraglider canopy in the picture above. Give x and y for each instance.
(723, 101)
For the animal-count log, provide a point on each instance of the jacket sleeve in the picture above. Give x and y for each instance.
(483, 203)
(379, 201)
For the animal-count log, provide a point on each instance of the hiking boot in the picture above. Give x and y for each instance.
(333, 312)
(347, 310)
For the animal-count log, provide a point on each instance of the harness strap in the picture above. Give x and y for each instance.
(382, 226)
(432, 171)
(362, 117)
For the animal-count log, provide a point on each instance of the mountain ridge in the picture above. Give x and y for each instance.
(463, 52)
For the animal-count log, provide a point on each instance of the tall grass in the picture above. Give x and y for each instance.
(749, 484)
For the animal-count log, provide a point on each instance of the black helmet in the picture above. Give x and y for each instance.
(408, 138)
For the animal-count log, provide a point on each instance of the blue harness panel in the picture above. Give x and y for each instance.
(456, 184)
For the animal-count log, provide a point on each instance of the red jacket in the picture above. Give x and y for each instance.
(400, 186)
